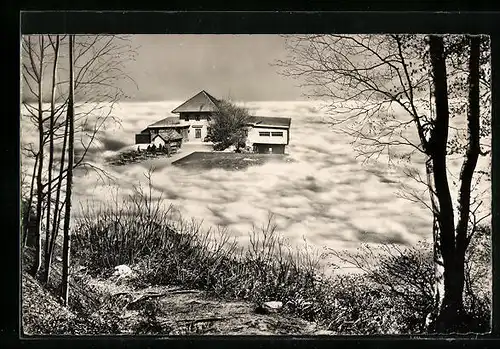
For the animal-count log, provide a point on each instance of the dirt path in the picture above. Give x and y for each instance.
(183, 312)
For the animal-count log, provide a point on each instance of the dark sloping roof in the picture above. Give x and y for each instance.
(270, 121)
(169, 135)
(212, 98)
(202, 102)
(171, 120)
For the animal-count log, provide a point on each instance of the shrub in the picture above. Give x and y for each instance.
(107, 236)
(478, 287)
(42, 314)
(404, 279)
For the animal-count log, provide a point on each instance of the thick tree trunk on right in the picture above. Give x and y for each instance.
(451, 307)
(453, 241)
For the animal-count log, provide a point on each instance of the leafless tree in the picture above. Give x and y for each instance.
(69, 180)
(47, 251)
(34, 67)
(98, 72)
(391, 95)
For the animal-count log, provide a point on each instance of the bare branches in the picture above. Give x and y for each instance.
(365, 77)
(379, 85)
(96, 68)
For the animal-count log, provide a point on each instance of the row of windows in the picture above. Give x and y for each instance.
(274, 134)
(196, 117)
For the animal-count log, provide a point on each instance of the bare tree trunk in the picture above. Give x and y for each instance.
(39, 191)
(437, 256)
(57, 209)
(473, 148)
(27, 222)
(48, 254)
(69, 180)
(467, 171)
(451, 309)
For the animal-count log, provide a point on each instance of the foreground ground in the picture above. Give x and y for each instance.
(155, 310)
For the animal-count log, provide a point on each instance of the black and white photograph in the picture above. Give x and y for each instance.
(255, 184)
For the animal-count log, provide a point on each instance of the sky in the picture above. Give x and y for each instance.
(175, 67)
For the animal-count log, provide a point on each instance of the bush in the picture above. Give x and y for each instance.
(478, 287)
(105, 237)
(42, 314)
(404, 279)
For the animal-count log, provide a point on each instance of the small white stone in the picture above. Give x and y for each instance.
(276, 305)
(122, 271)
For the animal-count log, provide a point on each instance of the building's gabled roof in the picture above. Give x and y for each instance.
(202, 102)
(168, 121)
(169, 135)
(264, 121)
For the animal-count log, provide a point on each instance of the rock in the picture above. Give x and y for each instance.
(273, 305)
(122, 271)
(269, 307)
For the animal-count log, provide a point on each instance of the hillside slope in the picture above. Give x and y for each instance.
(151, 310)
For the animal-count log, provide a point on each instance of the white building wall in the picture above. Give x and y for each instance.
(255, 137)
(202, 125)
(194, 124)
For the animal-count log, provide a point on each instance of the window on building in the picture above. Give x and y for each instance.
(277, 134)
(264, 134)
(197, 133)
(186, 117)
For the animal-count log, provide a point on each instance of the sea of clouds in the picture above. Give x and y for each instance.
(326, 196)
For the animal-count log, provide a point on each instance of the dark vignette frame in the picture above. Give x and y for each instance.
(236, 23)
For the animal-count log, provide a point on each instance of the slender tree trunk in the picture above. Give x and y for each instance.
(69, 180)
(39, 191)
(473, 147)
(56, 220)
(438, 257)
(29, 204)
(48, 254)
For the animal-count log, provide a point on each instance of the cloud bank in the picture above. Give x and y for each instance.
(326, 195)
